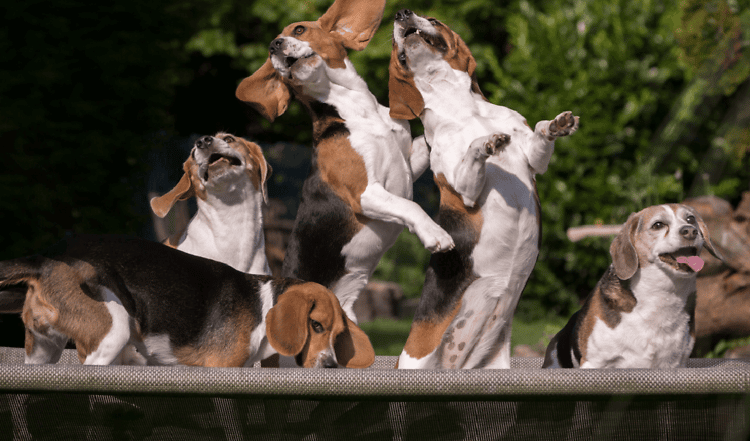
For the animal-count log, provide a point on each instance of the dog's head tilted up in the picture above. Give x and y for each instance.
(309, 56)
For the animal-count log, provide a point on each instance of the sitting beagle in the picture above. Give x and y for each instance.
(104, 292)
(357, 198)
(641, 313)
(227, 175)
(484, 159)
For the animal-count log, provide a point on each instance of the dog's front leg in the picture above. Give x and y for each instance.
(419, 157)
(469, 174)
(378, 203)
(539, 152)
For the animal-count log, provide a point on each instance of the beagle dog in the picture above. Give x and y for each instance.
(104, 292)
(641, 312)
(357, 198)
(227, 175)
(484, 159)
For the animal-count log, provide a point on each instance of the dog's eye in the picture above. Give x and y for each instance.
(658, 225)
(690, 219)
(317, 327)
(432, 21)
(299, 30)
(402, 58)
(228, 139)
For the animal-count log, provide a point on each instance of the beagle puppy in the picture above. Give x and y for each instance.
(105, 292)
(227, 175)
(641, 312)
(357, 198)
(484, 159)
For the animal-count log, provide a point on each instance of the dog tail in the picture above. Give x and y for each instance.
(15, 278)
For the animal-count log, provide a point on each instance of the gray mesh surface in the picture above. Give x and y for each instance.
(707, 400)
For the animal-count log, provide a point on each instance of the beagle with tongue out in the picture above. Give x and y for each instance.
(641, 313)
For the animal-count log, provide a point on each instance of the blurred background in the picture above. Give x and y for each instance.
(100, 103)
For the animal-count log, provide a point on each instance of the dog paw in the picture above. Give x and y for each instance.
(434, 238)
(563, 125)
(496, 143)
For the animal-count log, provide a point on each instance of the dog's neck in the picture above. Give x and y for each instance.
(660, 294)
(345, 91)
(228, 227)
(447, 96)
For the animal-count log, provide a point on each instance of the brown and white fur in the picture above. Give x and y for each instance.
(227, 175)
(357, 198)
(484, 158)
(105, 292)
(641, 313)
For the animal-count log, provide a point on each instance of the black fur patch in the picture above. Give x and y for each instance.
(450, 273)
(324, 222)
(167, 291)
(322, 227)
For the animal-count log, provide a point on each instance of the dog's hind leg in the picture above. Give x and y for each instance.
(118, 335)
(43, 348)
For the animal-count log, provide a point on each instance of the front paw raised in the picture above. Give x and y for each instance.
(434, 238)
(496, 143)
(563, 125)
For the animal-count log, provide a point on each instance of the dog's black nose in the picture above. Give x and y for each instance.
(275, 45)
(329, 363)
(205, 142)
(689, 232)
(403, 14)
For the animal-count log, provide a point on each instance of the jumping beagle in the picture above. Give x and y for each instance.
(357, 198)
(641, 313)
(227, 175)
(104, 292)
(484, 158)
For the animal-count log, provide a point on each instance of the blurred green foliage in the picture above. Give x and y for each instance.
(661, 87)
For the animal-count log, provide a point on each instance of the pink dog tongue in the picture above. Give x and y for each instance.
(694, 262)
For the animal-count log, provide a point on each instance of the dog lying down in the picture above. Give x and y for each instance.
(104, 292)
(641, 314)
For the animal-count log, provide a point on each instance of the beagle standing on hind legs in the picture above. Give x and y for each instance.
(484, 158)
(357, 198)
(641, 314)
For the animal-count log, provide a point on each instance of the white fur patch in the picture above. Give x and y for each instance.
(259, 347)
(159, 348)
(117, 337)
(654, 335)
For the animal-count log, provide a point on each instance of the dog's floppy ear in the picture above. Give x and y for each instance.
(265, 173)
(404, 98)
(259, 177)
(624, 254)
(355, 20)
(265, 91)
(183, 190)
(353, 348)
(460, 58)
(286, 324)
(707, 244)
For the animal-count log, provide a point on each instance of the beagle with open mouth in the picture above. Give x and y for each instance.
(484, 159)
(641, 313)
(227, 175)
(105, 292)
(357, 198)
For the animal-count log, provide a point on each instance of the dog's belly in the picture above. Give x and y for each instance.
(508, 243)
(384, 148)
